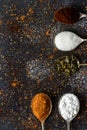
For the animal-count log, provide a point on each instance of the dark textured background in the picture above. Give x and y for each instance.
(27, 56)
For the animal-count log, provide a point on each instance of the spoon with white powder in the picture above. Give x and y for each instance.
(67, 41)
(68, 106)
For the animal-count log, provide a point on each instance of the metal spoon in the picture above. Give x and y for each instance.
(67, 65)
(42, 122)
(82, 15)
(67, 106)
(67, 41)
(50, 102)
(68, 15)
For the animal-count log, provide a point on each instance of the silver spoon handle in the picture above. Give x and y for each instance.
(82, 15)
(42, 124)
(68, 125)
(82, 64)
(84, 40)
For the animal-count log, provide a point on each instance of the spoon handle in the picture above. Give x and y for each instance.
(42, 124)
(84, 40)
(68, 125)
(82, 64)
(82, 15)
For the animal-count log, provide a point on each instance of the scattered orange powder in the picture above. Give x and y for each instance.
(1, 92)
(38, 82)
(22, 18)
(17, 18)
(51, 78)
(12, 14)
(26, 97)
(48, 33)
(15, 83)
(51, 56)
(55, 49)
(78, 117)
(86, 111)
(30, 11)
(0, 22)
(41, 1)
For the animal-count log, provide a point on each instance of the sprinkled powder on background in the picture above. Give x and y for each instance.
(83, 25)
(37, 70)
(3, 63)
(33, 33)
(79, 79)
(54, 31)
(11, 124)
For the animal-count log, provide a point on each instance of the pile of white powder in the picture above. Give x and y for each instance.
(69, 106)
(67, 41)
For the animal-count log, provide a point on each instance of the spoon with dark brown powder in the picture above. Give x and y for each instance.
(68, 15)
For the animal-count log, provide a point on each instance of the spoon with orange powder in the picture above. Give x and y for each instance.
(41, 106)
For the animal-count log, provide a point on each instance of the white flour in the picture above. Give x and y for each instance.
(67, 41)
(69, 106)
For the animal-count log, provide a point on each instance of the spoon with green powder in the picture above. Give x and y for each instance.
(67, 65)
(67, 41)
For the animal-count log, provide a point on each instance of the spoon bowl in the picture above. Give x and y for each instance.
(67, 41)
(67, 65)
(41, 106)
(68, 108)
(68, 15)
(43, 121)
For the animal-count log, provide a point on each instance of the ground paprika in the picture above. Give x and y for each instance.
(40, 106)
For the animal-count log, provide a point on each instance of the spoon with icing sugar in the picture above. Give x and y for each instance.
(68, 107)
(67, 41)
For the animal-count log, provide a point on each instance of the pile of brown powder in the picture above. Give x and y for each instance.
(41, 106)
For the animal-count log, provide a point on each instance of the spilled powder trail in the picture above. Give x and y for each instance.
(80, 78)
(37, 70)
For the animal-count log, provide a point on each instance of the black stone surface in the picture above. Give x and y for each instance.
(27, 57)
